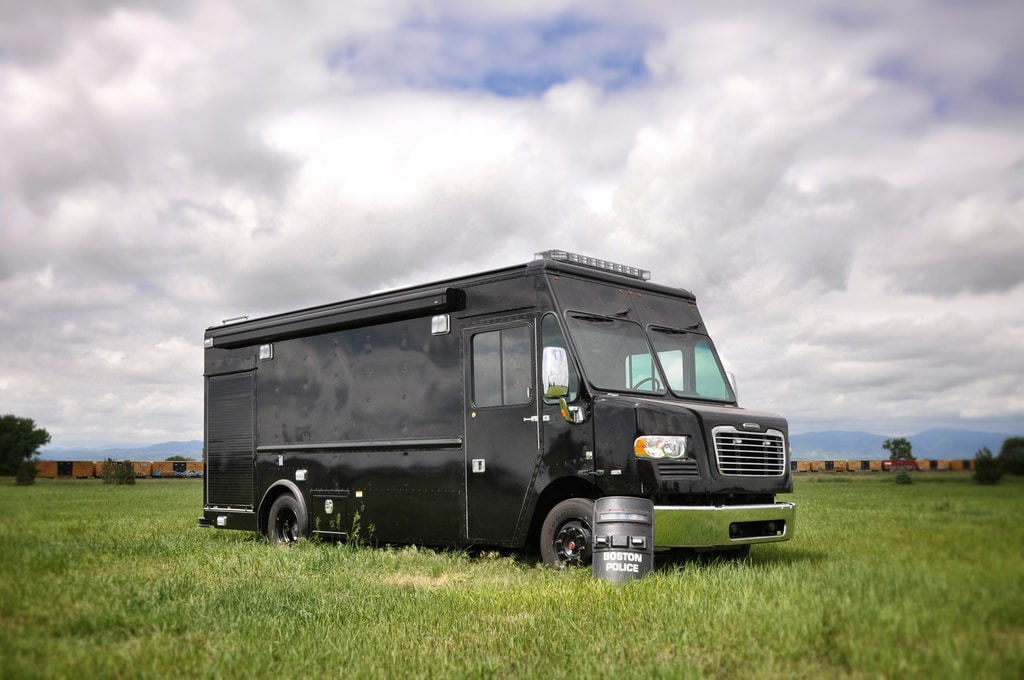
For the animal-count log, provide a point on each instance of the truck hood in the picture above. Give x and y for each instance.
(652, 412)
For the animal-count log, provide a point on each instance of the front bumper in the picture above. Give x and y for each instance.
(722, 525)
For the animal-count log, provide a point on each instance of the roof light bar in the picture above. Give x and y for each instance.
(566, 256)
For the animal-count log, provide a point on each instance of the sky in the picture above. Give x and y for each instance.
(840, 184)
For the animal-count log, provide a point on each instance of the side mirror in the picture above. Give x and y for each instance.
(555, 373)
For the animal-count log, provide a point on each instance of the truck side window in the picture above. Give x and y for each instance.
(553, 337)
(502, 367)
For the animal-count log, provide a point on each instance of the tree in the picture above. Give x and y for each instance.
(1011, 456)
(898, 448)
(20, 440)
(987, 469)
(179, 458)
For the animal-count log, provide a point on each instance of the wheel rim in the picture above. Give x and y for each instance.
(572, 542)
(286, 526)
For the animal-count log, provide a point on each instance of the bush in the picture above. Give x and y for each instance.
(126, 472)
(109, 471)
(118, 473)
(903, 477)
(26, 473)
(987, 468)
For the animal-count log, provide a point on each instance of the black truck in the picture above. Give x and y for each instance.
(490, 410)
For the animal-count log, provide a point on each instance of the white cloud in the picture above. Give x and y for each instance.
(841, 187)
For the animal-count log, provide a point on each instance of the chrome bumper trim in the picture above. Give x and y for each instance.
(710, 526)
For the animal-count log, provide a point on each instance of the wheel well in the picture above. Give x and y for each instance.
(553, 494)
(273, 493)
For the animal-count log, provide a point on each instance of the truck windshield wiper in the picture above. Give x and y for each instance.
(678, 331)
(593, 319)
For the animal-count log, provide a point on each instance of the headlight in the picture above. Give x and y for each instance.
(659, 446)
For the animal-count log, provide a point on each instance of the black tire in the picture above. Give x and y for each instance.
(567, 535)
(286, 522)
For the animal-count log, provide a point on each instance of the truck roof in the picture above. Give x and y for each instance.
(419, 300)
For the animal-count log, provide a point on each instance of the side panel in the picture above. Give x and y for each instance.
(388, 382)
(367, 423)
(230, 440)
(407, 495)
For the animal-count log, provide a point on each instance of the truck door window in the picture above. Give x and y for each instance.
(553, 337)
(502, 367)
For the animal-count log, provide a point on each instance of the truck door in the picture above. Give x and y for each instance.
(502, 425)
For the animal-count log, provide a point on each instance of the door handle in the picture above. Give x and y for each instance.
(533, 419)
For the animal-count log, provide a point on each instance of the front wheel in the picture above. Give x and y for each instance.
(287, 520)
(566, 538)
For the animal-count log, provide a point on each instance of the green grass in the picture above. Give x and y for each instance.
(882, 580)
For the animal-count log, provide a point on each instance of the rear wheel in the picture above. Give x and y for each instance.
(566, 538)
(287, 520)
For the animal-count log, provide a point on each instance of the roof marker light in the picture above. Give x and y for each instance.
(593, 262)
(440, 324)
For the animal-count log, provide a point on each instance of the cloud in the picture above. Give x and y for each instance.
(840, 187)
(974, 246)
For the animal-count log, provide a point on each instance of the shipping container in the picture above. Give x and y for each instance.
(77, 469)
(162, 468)
(896, 465)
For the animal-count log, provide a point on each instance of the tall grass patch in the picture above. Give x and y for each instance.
(880, 580)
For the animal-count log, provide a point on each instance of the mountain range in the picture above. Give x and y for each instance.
(829, 445)
(190, 449)
(927, 445)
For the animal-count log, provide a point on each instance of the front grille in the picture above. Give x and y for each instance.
(676, 469)
(750, 454)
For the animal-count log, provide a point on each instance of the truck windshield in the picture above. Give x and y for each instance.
(690, 364)
(616, 356)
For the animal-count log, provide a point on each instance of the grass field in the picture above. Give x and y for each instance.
(882, 580)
